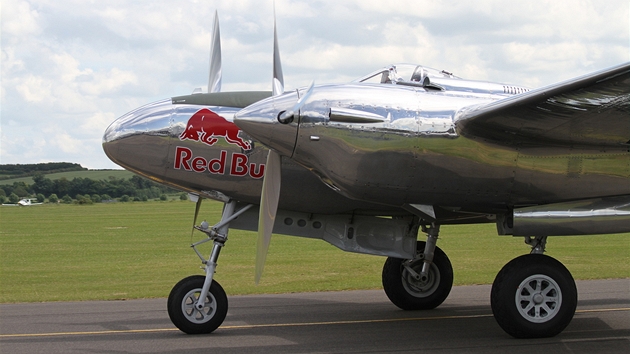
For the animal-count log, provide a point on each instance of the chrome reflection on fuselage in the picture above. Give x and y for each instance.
(191, 147)
(197, 148)
(140, 140)
(416, 138)
(414, 154)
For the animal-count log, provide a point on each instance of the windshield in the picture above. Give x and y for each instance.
(403, 73)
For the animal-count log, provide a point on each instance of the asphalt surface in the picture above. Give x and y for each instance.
(329, 322)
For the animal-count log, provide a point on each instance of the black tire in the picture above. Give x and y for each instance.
(410, 294)
(533, 296)
(190, 320)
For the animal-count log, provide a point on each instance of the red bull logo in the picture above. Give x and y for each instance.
(207, 127)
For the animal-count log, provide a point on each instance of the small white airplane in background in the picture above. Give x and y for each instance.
(23, 202)
(27, 202)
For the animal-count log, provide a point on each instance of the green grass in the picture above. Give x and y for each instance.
(140, 250)
(91, 174)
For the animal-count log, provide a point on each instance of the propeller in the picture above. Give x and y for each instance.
(214, 78)
(273, 169)
(270, 194)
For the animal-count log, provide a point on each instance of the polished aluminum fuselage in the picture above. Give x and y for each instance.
(416, 156)
(365, 149)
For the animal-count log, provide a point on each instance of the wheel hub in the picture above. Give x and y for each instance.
(538, 298)
(191, 310)
(424, 286)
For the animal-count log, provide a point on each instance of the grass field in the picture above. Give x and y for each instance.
(140, 250)
(91, 174)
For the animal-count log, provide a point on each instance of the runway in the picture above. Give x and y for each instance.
(327, 322)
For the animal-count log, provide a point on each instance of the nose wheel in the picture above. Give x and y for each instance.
(187, 315)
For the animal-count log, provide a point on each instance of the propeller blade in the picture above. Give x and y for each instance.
(214, 79)
(277, 83)
(273, 169)
(197, 206)
(268, 208)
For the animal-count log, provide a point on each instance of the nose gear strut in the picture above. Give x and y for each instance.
(217, 233)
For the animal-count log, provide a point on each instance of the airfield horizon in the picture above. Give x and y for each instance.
(114, 251)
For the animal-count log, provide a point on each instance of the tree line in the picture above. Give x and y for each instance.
(85, 190)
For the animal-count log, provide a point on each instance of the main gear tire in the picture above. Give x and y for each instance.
(533, 296)
(409, 293)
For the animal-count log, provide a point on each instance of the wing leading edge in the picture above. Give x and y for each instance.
(591, 110)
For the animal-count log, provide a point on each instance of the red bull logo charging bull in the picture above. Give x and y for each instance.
(207, 127)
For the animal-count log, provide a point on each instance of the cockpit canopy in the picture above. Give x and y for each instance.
(404, 73)
(435, 80)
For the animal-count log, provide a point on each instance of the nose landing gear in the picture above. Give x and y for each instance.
(198, 304)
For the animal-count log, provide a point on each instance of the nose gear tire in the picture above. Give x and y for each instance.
(184, 314)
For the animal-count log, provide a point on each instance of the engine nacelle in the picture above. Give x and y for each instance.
(585, 217)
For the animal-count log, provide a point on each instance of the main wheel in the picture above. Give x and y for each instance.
(408, 293)
(533, 296)
(184, 314)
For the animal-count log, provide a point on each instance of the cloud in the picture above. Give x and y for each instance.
(103, 83)
(66, 143)
(33, 89)
(23, 20)
(70, 67)
(99, 121)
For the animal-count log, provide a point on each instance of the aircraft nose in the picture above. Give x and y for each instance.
(260, 121)
(140, 137)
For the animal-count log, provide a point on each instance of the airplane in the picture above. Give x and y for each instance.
(24, 202)
(369, 164)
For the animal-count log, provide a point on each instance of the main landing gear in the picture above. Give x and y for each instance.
(533, 296)
(198, 304)
(421, 283)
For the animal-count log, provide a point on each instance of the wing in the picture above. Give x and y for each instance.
(592, 110)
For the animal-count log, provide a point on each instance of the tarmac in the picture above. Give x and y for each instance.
(325, 322)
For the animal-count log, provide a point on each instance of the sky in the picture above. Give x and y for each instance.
(69, 68)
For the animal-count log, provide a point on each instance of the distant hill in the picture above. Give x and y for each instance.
(53, 171)
(84, 173)
(9, 171)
